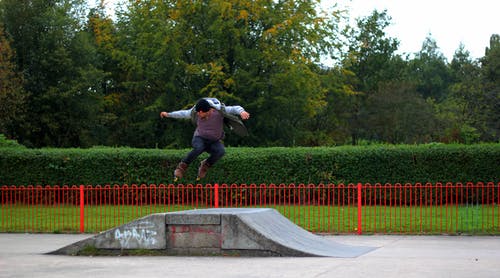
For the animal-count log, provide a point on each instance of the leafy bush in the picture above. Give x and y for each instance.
(6, 143)
(366, 164)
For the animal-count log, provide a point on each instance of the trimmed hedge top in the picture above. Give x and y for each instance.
(346, 164)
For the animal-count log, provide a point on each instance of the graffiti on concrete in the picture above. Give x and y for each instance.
(142, 234)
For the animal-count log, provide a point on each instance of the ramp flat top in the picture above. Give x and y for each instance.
(222, 211)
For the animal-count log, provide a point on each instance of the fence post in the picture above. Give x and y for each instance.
(216, 195)
(82, 208)
(359, 208)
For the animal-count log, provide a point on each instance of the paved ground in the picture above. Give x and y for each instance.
(22, 255)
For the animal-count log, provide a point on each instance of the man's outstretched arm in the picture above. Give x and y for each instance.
(181, 114)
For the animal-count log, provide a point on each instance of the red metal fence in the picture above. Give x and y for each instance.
(449, 208)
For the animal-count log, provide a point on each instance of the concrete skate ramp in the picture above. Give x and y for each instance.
(224, 231)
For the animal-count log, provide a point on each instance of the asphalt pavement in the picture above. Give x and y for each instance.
(23, 255)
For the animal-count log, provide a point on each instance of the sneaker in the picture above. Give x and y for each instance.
(180, 170)
(202, 171)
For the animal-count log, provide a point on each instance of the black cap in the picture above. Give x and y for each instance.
(202, 105)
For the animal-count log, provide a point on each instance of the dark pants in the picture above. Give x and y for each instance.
(214, 148)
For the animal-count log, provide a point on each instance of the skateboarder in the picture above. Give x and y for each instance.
(209, 115)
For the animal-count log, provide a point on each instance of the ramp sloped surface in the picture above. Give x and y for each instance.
(285, 234)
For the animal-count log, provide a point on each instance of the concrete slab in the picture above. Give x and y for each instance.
(22, 255)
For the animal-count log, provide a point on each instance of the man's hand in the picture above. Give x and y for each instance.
(245, 115)
(163, 114)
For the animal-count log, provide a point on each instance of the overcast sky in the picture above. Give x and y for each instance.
(450, 22)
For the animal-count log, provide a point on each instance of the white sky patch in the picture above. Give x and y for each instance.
(449, 22)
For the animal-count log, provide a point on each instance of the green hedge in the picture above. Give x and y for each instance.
(347, 164)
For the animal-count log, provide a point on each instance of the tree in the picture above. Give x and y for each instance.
(491, 80)
(57, 61)
(370, 51)
(429, 71)
(370, 62)
(333, 125)
(460, 109)
(12, 94)
(257, 53)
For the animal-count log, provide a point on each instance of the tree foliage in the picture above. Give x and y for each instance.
(490, 115)
(75, 76)
(56, 59)
(12, 95)
(257, 53)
